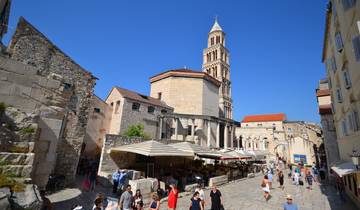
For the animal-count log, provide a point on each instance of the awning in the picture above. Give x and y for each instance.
(195, 149)
(258, 154)
(153, 149)
(344, 168)
(235, 154)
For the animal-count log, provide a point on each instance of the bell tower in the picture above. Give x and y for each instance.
(216, 64)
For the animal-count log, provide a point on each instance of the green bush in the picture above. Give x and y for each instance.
(27, 130)
(10, 182)
(2, 107)
(136, 131)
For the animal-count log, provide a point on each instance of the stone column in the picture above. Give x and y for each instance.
(209, 133)
(193, 129)
(176, 128)
(160, 127)
(238, 143)
(218, 135)
(232, 137)
(226, 135)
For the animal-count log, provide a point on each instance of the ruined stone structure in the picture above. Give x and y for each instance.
(36, 76)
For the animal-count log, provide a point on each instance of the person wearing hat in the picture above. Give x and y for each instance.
(173, 196)
(289, 205)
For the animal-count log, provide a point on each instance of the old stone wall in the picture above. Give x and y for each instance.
(31, 47)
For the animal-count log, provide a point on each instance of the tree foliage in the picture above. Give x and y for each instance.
(136, 131)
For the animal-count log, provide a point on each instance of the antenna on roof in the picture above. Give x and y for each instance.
(216, 18)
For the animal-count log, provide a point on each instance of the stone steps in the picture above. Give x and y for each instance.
(8, 158)
(16, 170)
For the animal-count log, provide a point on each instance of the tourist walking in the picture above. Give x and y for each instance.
(92, 178)
(201, 194)
(216, 198)
(155, 203)
(270, 178)
(196, 202)
(289, 205)
(46, 203)
(265, 187)
(115, 178)
(122, 179)
(296, 178)
(98, 205)
(281, 179)
(138, 201)
(173, 197)
(126, 199)
(309, 179)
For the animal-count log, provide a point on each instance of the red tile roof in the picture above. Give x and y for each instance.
(265, 117)
(185, 73)
(324, 92)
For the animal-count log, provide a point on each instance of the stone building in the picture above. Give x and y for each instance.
(327, 123)
(131, 108)
(38, 77)
(341, 56)
(196, 110)
(272, 132)
(263, 132)
(97, 127)
(216, 62)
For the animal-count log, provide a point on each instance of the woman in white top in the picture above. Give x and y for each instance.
(201, 195)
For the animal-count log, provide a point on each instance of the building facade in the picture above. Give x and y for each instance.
(327, 123)
(291, 140)
(196, 110)
(216, 63)
(341, 56)
(130, 108)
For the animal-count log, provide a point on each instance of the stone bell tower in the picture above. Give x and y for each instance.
(216, 63)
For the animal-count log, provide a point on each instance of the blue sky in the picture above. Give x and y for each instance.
(275, 46)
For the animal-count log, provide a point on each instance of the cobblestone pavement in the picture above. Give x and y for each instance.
(247, 194)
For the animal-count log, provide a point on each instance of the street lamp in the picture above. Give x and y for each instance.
(355, 157)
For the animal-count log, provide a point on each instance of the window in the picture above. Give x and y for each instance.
(212, 40)
(259, 125)
(117, 106)
(356, 122)
(96, 110)
(159, 95)
(112, 104)
(347, 80)
(289, 129)
(249, 145)
(136, 106)
(344, 128)
(151, 109)
(333, 64)
(163, 111)
(338, 42)
(356, 46)
(347, 4)
(339, 95)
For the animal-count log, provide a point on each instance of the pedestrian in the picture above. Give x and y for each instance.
(201, 194)
(103, 199)
(270, 178)
(172, 197)
(138, 201)
(265, 187)
(126, 199)
(309, 179)
(98, 205)
(46, 203)
(155, 203)
(216, 198)
(115, 178)
(92, 179)
(122, 179)
(281, 179)
(315, 173)
(296, 178)
(196, 202)
(289, 205)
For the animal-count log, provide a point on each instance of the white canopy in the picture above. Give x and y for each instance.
(153, 149)
(195, 149)
(236, 154)
(258, 154)
(344, 168)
